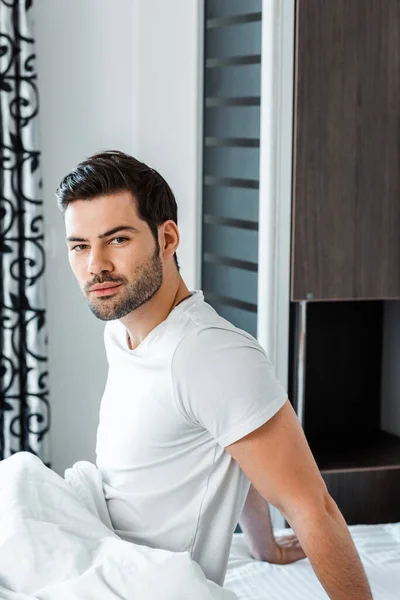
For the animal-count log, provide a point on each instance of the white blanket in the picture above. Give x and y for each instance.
(57, 543)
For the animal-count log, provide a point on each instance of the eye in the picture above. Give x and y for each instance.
(78, 247)
(124, 239)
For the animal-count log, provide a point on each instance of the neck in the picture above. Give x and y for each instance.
(144, 319)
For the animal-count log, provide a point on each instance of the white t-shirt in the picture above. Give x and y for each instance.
(194, 385)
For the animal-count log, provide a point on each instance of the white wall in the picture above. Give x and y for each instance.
(86, 66)
(120, 74)
(170, 99)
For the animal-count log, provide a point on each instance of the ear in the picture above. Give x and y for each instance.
(168, 235)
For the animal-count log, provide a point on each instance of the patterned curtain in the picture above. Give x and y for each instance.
(24, 399)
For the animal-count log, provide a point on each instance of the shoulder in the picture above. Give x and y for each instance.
(223, 380)
(206, 336)
(217, 349)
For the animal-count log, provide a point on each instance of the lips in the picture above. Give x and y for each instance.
(105, 289)
(104, 286)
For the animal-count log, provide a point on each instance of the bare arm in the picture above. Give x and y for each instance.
(255, 522)
(278, 461)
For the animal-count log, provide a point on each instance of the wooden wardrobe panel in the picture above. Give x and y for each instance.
(346, 197)
(366, 497)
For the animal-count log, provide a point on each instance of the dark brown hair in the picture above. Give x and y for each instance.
(114, 171)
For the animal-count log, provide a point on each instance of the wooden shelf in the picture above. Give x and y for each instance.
(379, 450)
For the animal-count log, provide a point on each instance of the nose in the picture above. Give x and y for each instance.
(99, 262)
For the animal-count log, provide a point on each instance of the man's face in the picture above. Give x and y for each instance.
(101, 250)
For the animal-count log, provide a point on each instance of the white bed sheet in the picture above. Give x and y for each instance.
(378, 546)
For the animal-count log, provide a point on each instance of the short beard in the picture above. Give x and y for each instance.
(147, 281)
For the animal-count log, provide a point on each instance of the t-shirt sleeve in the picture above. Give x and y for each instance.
(224, 382)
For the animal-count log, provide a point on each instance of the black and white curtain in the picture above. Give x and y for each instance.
(24, 400)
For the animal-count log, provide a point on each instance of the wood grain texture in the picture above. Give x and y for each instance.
(346, 197)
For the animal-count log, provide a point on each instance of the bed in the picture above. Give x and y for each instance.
(57, 542)
(378, 546)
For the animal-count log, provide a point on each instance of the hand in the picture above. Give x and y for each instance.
(287, 550)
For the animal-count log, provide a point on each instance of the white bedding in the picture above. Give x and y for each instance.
(378, 546)
(56, 543)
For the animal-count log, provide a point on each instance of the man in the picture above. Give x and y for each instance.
(192, 411)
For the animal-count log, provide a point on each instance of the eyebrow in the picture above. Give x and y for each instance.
(73, 238)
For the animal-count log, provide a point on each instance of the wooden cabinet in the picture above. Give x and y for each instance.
(345, 255)
(346, 249)
(366, 496)
(346, 179)
(351, 402)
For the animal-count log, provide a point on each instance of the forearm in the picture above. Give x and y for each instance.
(326, 540)
(255, 522)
